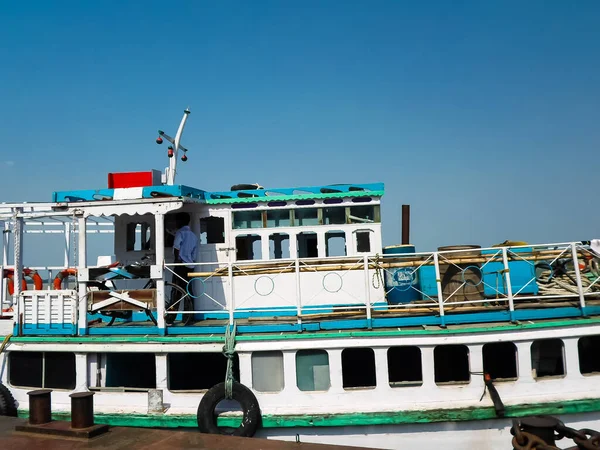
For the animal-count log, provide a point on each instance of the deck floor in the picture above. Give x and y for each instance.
(351, 319)
(144, 438)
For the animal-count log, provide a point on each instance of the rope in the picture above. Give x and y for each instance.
(229, 353)
(559, 280)
(377, 275)
(5, 341)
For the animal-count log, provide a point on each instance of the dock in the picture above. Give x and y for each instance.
(127, 438)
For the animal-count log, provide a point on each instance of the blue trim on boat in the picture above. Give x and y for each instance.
(344, 324)
(90, 195)
(266, 328)
(42, 329)
(196, 330)
(304, 190)
(316, 325)
(555, 313)
(389, 322)
(124, 331)
(282, 311)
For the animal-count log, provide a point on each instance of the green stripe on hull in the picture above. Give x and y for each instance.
(308, 335)
(352, 419)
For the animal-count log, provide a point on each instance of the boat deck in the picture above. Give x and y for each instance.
(356, 320)
(144, 438)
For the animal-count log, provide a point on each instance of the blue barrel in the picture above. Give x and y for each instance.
(401, 283)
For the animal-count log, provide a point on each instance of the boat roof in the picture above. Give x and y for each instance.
(223, 197)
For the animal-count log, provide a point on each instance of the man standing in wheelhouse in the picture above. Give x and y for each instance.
(185, 246)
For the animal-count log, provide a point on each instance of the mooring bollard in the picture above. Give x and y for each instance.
(39, 406)
(82, 409)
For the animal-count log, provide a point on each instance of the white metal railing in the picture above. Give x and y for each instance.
(437, 283)
(467, 280)
(47, 275)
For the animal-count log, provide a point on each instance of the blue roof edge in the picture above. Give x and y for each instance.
(88, 195)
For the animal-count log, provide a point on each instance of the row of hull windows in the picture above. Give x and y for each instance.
(200, 371)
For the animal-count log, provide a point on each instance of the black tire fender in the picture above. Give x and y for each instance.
(8, 405)
(207, 422)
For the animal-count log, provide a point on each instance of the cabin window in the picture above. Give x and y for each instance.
(404, 366)
(48, 370)
(307, 244)
(130, 370)
(547, 358)
(212, 230)
(306, 217)
(589, 361)
(500, 360)
(279, 246)
(279, 218)
(138, 236)
(276, 203)
(248, 247)
(362, 214)
(451, 364)
(198, 371)
(334, 216)
(267, 371)
(363, 241)
(335, 243)
(247, 219)
(312, 370)
(358, 368)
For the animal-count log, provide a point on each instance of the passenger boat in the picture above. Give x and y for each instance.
(295, 311)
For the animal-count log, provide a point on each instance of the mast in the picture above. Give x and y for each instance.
(171, 171)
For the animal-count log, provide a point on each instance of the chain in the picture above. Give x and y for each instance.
(585, 439)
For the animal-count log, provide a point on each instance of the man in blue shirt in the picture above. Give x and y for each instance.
(184, 249)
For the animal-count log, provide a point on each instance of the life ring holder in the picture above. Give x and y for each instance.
(9, 274)
(207, 421)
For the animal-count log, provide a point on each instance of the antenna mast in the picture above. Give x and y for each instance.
(171, 171)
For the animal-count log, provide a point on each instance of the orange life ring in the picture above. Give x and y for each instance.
(9, 274)
(61, 276)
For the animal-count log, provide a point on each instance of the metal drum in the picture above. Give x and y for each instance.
(465, 277)
(401, 282)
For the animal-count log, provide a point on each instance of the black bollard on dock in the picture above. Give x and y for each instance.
(39, 406)
(82, 409)
(82, 416)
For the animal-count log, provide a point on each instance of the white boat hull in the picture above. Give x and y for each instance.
(480, 435)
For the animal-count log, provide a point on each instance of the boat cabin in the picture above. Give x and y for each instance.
(252, 245)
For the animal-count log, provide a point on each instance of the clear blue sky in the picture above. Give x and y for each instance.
(483, 116)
